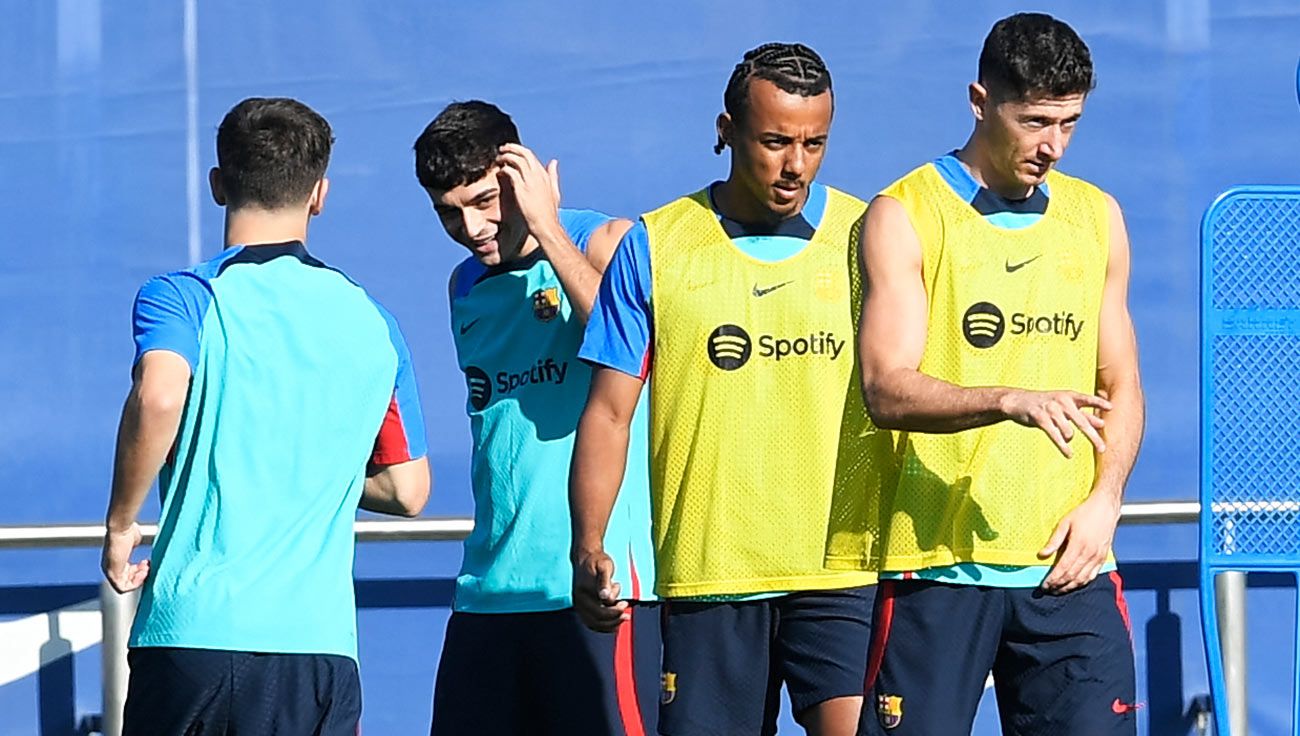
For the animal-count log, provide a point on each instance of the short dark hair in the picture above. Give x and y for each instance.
(792, 67)
(271, 152)
(461, 144)
(1033, 56)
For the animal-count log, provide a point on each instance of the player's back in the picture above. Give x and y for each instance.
(294, 374)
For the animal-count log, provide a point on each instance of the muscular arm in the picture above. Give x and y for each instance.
(537, 192)
(150, 419)
(1084, 537)
(401, 489)
(599, 459)
(892, 340)
(1117, 368)
(580, 274)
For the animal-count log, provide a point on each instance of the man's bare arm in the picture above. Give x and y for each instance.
(401, 489)
(537, 192)
(599, 461)
(150, 420)
(1084, 537)
(892, 339)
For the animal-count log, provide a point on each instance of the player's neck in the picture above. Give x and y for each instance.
(249, 226)
(975, 158)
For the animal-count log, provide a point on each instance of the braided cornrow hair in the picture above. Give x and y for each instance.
(792, 67)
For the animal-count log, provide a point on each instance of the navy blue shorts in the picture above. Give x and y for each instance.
(1061, 664)
(545, 673)
(193, 692)
(724, 663)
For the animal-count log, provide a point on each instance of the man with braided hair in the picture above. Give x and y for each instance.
(739, 304)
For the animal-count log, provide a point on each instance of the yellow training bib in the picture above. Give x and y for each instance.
(760, 444)
(1007, 307)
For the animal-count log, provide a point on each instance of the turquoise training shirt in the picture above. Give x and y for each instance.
(299, 380)
(517, 342)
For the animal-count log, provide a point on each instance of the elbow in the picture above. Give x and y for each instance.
(412, 500)
(881, 408)
(157, 402)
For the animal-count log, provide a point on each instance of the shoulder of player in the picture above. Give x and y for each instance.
(581, 223)
(463, 277)
(840, 198)
(699, 196)
(1058, 178)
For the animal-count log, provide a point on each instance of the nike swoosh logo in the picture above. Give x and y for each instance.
(770, 289)
(466, 327)
(1119, 707)
(1012, 268)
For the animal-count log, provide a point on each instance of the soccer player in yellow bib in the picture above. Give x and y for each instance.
(739, 304)
(996, 340)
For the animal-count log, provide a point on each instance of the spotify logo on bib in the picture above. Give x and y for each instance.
(983, 325)
(480, 387)
(729, 347)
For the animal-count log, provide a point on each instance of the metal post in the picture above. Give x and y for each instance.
(1230, 599)
(116, 614)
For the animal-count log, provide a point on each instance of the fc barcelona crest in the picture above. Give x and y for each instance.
(890, 710)
(546, 303)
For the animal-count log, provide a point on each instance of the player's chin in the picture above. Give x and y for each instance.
(783, 208)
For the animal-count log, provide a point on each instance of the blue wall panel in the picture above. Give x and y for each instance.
(94, 139)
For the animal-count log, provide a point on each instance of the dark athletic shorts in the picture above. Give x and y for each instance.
(1061, 664)
(203, 692)
(545, 673)
(724, 663)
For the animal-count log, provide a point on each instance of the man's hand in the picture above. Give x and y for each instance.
(122, 574)
(1057, 413)
(536, 187)
(595, 594)
(1083, 539)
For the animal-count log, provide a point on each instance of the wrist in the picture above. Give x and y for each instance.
(586, 551)
(1002, 400)
(549, 232)
(118, 524)
(1108, 497)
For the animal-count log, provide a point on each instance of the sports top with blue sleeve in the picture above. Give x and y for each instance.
(517, 341)
(299, 380)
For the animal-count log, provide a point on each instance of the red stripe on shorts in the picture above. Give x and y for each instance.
(879, 637)
(629, 708)
(1120, 603)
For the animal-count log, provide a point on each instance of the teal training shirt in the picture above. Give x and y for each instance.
(299, 380)
(517, 342)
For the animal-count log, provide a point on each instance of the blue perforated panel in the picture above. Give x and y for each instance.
(1251, 380)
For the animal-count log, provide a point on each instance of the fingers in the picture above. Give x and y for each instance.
(1058, 413)
(1043, 418)
(1085, 425)
(1058, 538)
(1096, 402)
(605, 576)
(129, 577)
(595, 595)
(515, 156)
(553, 171)
(1078, 565)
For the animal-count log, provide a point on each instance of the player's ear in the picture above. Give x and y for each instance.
(979, 99)
(214, 183)
(726, 132)
(317, 201)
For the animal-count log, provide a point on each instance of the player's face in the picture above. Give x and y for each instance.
(482, 216)
(778, 144)
(1027, 138)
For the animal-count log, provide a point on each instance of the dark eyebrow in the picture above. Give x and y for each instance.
(484, 195)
